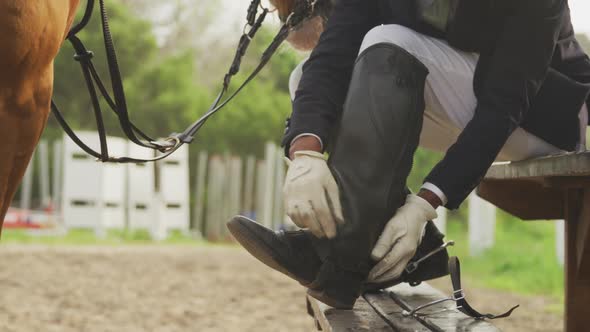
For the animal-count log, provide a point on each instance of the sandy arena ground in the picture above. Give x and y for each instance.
(127, 289)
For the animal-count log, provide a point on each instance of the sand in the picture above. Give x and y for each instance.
(166, 288)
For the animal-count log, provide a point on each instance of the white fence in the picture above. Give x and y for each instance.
(104, 196)
(156, 196)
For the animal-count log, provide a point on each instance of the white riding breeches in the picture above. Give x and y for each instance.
(449, 96)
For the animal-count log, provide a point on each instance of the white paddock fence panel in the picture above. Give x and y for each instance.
(141, 189)
(82, 184)
(174, 189)
(482, 225)
(113, 188)
(441, 220)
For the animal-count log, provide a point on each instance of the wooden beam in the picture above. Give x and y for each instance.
(583, 239)
(362, 318)
(525, 199)
(577, 290)
(570, 164)
(383, 311)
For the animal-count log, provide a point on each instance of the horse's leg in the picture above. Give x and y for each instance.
(31, 33)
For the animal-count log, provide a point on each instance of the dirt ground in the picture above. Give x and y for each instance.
(176, 289)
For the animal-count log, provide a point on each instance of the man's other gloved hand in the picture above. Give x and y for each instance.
(400, 239)
(311, 194)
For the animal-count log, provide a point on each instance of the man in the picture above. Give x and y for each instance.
(480, 80)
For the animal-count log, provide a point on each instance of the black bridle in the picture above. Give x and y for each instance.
(304, 9)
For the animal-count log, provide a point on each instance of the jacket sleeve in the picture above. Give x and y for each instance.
(507, 80)
(326, 75)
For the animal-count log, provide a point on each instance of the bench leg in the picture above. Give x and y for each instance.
(577, 284)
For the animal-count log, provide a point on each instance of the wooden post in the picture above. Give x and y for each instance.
(225, 203)
(200, 192)
(158, 229)
(560, 241)
(278, 209)
(214, 193)
(235, 190)
(270, 162)
(248, 202)
(27, 185)
(260, 184)
(482, 223)
(43, 164)
(57, 174)
(577, 264)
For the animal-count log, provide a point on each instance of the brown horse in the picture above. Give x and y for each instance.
(31, 33)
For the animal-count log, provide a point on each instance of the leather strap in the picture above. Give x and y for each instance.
(458, 295)
(117, 102)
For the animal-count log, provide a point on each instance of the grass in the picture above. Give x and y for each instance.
(88, 237)
(523, 260)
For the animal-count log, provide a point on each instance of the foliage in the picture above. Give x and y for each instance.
(522, 261)
(162, 90)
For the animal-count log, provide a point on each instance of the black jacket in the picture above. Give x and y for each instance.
(531, 73)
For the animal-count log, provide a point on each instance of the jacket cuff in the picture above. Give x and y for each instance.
(454, 196)
(312, 135)
(306, 125)
(436, 190)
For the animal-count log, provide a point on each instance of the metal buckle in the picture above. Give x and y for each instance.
(167, 144)
(413, 266)
(457, 296)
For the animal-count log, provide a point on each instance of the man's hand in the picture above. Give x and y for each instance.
(400, 239)
(311, 194)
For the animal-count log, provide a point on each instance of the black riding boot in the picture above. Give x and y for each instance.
(371, 160)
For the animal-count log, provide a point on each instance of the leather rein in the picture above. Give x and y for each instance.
(117, 102)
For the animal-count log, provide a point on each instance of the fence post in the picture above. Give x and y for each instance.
(57, 174)
(269, 176)
(27, 185)
(234, 189)
(200, 192)
(441, 221)
(215, 190)
(278, 209)
(260, 178)
(482, 224)
(43, 163)
(560, 241)
(247, 207)
(158, 229)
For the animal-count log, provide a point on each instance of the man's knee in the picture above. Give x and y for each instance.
(392, 34)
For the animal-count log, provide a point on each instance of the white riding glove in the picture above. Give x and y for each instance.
(311, 194)
(400, 239)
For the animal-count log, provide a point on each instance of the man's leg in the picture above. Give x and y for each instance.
(371, 159)
(450, 100)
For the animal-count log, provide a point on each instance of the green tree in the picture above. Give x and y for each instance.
(136, 46)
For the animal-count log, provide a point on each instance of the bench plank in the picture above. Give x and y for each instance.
(383, 312)
(554, 187)
(362, 319)
(564, 165)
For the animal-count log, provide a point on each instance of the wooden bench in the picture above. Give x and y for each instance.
(556, 187)
(384, 312)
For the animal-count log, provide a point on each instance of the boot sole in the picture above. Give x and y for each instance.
(326, 299)
(243, 231)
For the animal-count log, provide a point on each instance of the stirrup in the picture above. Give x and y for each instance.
(413, 266)
(458, 297)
